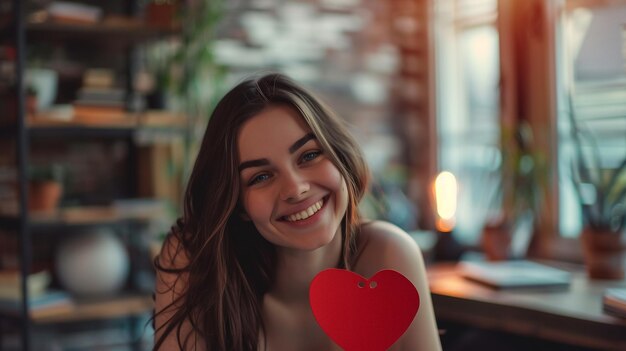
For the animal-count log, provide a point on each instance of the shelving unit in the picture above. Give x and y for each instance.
(24, 129)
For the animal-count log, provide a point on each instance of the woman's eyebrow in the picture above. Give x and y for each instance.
(300, 142)
(264, 162)
(253, 163)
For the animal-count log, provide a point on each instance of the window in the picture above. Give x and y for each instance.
(468, 127)
(591, 85)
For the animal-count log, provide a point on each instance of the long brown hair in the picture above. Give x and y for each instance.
(231, 266)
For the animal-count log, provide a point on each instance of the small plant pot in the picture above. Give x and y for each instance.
(162, 15)
(495, 241)
(44, 196)
(604, 254)
(31, 104)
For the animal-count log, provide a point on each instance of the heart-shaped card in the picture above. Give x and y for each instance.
(363, 314)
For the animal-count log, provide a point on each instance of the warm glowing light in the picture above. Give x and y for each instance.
(445, 189)
(445, 225)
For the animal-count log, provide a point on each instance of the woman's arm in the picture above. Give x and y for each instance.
(170, 288)
(385, 246)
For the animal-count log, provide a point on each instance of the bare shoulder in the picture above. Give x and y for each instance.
(173, 254)
(382, 232)
(382, 245)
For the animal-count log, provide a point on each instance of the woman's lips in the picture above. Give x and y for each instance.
(306, 213)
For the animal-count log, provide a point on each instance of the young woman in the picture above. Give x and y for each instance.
(272, 201)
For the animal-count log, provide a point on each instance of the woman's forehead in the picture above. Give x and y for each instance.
(275, 126)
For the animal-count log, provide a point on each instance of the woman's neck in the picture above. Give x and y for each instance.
(296, 269)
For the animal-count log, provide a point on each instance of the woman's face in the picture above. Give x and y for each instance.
(290, 189)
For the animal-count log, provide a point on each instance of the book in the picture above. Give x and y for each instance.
(515, 274)
(50, 302)
(11, 284)
(614, 302)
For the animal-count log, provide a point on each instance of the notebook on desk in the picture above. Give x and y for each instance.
(515, 274)
(614, 302)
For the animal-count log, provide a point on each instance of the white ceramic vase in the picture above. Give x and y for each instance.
(94, 263)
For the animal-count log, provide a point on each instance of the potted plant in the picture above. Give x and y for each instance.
(162, 13)
(602, 196)
(520, 180)
(31, 100)
(45, 188)
(185, 66)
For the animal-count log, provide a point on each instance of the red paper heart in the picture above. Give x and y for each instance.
(363, 314)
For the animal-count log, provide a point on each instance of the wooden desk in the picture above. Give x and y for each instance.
(570, 316)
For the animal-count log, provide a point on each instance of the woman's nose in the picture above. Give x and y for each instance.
(293, 186)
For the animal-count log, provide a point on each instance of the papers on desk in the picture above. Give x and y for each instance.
(515, 274)
(614, 302)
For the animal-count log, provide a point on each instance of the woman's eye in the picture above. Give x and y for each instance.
(259, 178)
(310, 155)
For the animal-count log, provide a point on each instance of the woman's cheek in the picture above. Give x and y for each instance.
(338, 184)
(253, 206)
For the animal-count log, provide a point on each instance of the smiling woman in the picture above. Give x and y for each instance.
(273, 200)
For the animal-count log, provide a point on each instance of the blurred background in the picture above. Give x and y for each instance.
(519, 106)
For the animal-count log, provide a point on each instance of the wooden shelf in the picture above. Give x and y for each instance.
(42, 125)
(113, 29)
(116, 307)
(88, 215)
(75, 216)
(148, 119)
(128, 120)
(89, 310)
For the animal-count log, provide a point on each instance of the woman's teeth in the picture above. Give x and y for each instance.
(306, 213)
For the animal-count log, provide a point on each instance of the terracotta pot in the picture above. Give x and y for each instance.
(44, 196)
(495, 242)
(604, 254)
(162, 15)
(31, 104)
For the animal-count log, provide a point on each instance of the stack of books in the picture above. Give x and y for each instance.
(42, 301)
(614, 302)
(99, 100)
(73, 13)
